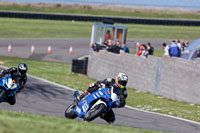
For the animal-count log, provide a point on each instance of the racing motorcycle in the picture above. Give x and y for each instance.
(93, 105)
(8, 88)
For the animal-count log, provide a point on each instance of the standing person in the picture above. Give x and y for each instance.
(145, 52)
(19, 76)
(150, 48)
(178, 44)
(174, 50)
(185, 45)
(140, 49)
(107, 36)
(137, 47)
(166, 49)
(125, 48)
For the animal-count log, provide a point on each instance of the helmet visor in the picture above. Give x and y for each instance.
(123, 83)
(22, 72)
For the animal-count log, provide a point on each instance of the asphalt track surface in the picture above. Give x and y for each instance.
(45, 98)
(60, 48)
(40, 97)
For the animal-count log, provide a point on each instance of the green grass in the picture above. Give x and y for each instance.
(25, 28)
(13, 122)
(61, 73)
(158, 52)
(87, 10)
(21, 28)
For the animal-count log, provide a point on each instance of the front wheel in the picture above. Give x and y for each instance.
(95, 112)
(69, 112)
(2, 95)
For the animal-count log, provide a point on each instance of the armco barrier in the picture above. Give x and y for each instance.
(150, 21)
(173, 78)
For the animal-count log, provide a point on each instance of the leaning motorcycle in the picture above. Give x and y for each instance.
(8, 88)
(94, 104)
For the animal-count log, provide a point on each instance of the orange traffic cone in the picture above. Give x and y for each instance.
(9, 48)
(49, 50)
(32, 49)
(70, 50)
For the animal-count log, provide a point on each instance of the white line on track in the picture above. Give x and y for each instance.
(129, 107)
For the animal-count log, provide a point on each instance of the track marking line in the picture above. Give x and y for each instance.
(165, 115)
(129, 107)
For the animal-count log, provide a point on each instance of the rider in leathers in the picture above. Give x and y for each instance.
(19, 76)
(119, 87)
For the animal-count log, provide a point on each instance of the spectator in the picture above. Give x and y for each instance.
(185, 45)
(125, 48)
(140, 48)
(145, 52)
(150, 48)
(107, 36)
(178, 43)
(109, 45)
(137, 47)
(95, 47)
(166, 49)
(174, 49)
(116, 47)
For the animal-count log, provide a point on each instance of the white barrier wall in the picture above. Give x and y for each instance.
(173, 78)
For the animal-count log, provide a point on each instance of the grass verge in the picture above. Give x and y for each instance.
(13, 122)
(105, 10)
(28, 28)
(61, 74)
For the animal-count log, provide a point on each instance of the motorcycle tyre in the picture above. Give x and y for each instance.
(95, 112)
(2, 95)
(69, 112)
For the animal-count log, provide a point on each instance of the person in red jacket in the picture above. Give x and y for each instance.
(141, 48)
(107, 36)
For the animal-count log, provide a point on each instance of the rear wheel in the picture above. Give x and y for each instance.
(69, 112)
(2, 95)
(95, 112)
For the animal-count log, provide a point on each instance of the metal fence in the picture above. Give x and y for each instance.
(33, 15)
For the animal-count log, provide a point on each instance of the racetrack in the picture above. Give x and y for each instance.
(60, 47)
(46, 98)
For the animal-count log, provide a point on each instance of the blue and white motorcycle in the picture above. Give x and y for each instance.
(8, 88)
(93, 105)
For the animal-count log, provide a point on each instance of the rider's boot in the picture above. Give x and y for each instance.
(108, 116)
(11, 100)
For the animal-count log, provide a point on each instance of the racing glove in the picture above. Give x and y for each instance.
(3, 72)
